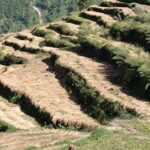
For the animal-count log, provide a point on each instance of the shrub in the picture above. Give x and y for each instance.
(61, 28)
(24, 37)
(11, 59)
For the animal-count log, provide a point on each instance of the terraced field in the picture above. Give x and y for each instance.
(74, 73)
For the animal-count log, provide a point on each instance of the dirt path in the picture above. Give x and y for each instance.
(39, 138)
(12, 114)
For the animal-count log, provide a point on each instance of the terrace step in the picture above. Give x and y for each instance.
(96, 74)
(44, 91)
(92, 15)
(11, 114)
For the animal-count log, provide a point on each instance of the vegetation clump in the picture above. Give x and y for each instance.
(39, 32)
(132, 32)
(62, 29)
(56, 42)
(24, 37)
(75, 19)
(11, 59)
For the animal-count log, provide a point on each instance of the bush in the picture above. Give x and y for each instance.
(11, 59)
(132, 32)
(5, 127)
(24, 37)
(75, 19)
(62, 29)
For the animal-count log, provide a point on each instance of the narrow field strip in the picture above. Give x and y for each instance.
(12, 114)
(100, 17)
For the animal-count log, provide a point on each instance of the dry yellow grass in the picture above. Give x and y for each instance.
(13, 115)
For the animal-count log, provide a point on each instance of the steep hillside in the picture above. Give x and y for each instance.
(87, 73)
(16, 15)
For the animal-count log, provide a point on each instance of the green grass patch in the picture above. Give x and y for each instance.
(142, 17)
(5, 127)
(125, 139)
